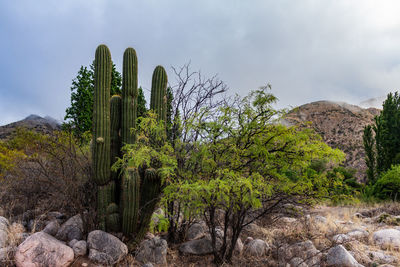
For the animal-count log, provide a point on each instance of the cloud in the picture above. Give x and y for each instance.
(344, 50)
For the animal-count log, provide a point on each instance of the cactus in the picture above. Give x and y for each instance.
(112, 220)
(115, 117)
(129, 96)
(138, 191)
(149, 196)
(158, 101)
(101, 129)
(130, 200)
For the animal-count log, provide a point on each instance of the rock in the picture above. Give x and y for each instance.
(303, 250)
(358, 215)
(105, 248)
(4, 238)
(380, 257)
(387, 238)
(71, 229)
(253, 228)
(340, 257)
(148, 265)
(72, 243)
(358, 234)
(287, 220)
(239, 246)
(80, 248)
(257, 248)
(297, 262)
(41, 249)
(52, 228)
(5, 254)
(320, 219)
(154, 251)
(248, 239)
(340, 238)
(4, 223)
(197, 247)
(197, 231)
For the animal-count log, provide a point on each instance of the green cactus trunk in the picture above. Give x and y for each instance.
(101, 129)
(158, 101)
(112, 220)
(115, 114)
(129, 96)
(105, 196)
(149, 197)
(130, 200)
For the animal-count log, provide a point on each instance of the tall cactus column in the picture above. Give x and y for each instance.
(129, 95)
(101, 131)
(158, 101)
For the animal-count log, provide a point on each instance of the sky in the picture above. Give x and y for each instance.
(308, 50)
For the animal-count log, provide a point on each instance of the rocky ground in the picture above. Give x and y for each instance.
(323, 236)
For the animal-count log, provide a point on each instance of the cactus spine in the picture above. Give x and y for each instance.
(129, 95)
(101, 128)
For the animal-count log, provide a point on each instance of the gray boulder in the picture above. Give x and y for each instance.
(105, 248)
(71, 229)
(52, 228)
(153, 250)
(197, 247)
(339, 257)
(303, 250)
(197, 231)
(80, 248)
(381, 257)
(256, 248)
(41, 249)
(387, 238)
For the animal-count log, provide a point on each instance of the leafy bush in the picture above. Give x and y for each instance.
(247, 166)
(388, 185)
(52, 175)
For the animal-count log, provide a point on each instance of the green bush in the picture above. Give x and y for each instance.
(388, 185)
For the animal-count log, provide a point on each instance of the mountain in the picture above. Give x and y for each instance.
(341, 126)
(373, 102)
(44, 125)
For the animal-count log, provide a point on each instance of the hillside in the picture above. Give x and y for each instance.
(44, 125)
(340, 125)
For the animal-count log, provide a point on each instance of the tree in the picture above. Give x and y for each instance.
(237, 168)
(79, 115)
(383, 150)
(368, 140)
(141, 104)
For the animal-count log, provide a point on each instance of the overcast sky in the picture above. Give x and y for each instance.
(341, 50)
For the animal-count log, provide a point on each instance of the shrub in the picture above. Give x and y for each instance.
(52, 175)
(388, 185)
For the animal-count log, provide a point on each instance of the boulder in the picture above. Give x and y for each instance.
(381, 257)
(41, 249)
(387, 238)
(358, 234)
(52, 228)
(153, 250)
(256, 248)
(297, 262)
(71, 229)
(197, 247)
(105, 248)
(341, 238)
(4, 223)
(80, 248)
(303, 250)
(339, 257)
(197, 231)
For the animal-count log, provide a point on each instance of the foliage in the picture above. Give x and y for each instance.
(159, 223)
(141, 104)
(79, 115)
(150, 149)
(370, 155)
(388, 185)
(239, 164)
(51, 172)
